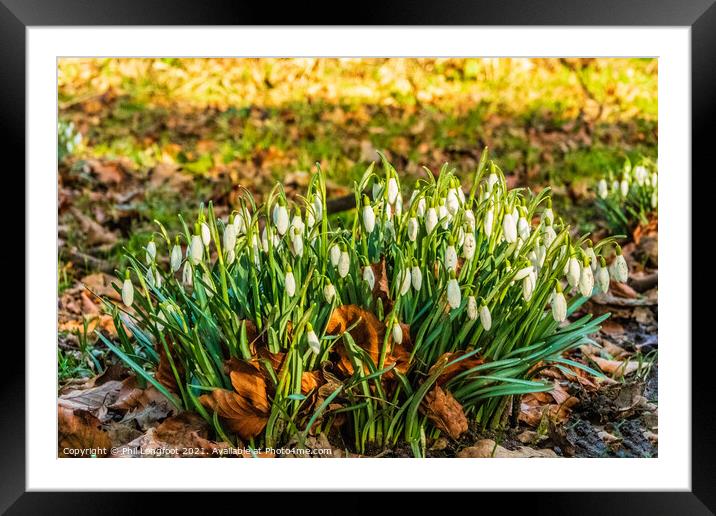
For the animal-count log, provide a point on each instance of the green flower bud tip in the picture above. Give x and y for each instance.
(590, 243)
(558, 286)
(366, 200)
(619, 250)
(126, 274)
(309, 327)
(602, 261)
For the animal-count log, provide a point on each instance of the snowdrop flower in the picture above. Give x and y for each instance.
(329, 292)
(471, 308)
(416, 276)
(127, 291)
(297, 224)
(344, 263)
(574, 271)
(491, 181)
(453, 292)
(264, 240)
(641, 175)
(586, 279)
(528, 286)
(318, 207)
(175, 257)
(540, 255)
(313, 343)
(615, 185)
(624, 187)
(290, 282)
(548, 235)
(485, 317)
(444, 216)
(523, 228)
(397, 333)
(654, 179)
(452, 201)
(559, 305)
(413, 229)
(230, 256)
(197, 249)
(460, 194)
(404, 281)
(280, 218)
(420, 210)
(470, 221)
(369, 276)
(468, 246)
(590, 254)
(150, 278)
(377, 188)
(368, 216)
(297, 243)
(489, 221)
(205, 234)
(431, 220)
(450, 256)
(509, 228)
(654, 199)
(186, 276)
(229, 237)
(460, 237)
(548, 214)
(620, 269)
(602, 188)
(151, 253)
(392, 190)
(239, 224)
(523, 273)
(399, 206)
(602, 276)
(388, 211)
(335, 254)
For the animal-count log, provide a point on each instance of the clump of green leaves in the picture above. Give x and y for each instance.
(277, 322)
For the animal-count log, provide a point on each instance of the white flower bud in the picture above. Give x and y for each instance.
(335, 254)
(592, 258)
(368, 218)
(453, 293)
(471, 308)
(280, 218)
(602, 278)
(443, 216)
(586, 281)
(297, 243)
(420, 210)
(624, 187)
(318, 207)
(205, 233)
(573, 271)
(416, 277)
(397, 333)
(186, 275)
(470, 221)
(290, 283)
(404, 281)
(431, 220)
(559, 306)
(388, 212)
(468, 246)
(298, 225)
(485, 317)
(523, 228)
(489, 221)
(229, 237)
(452, 202)
(548, 216)
(239, 224)
(620, 269)
(197, 249)
(413, 229)
(654, 199)
(602, 188)
(548, 235)
(344, 264)
(641, 175)
(368, 276)
(127, 292)
(509, 228)
(392, 190)
(175, 258)
(313, 343)
(151, 253)
(450, 257)
(230, 256)
(329, 292)
(491, 181)
(528, 286)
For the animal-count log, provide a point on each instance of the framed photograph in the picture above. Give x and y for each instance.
(423, 247)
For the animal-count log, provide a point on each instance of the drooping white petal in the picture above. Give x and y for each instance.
(416, 277)
(453, 293)
(127, 292)
(559, 307)
(485, 317)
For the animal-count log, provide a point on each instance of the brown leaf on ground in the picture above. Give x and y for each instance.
(165, 372)
(487, 448)
(310, 380)
(107, 172)
(622, 290)
(616, 368)
(445, 412)
(100, 283)
(556, 405)
(79, 430)
(94, 400)
(612, 328)
(144, 406)
(94, 232)
(381, 287)
(453, 370)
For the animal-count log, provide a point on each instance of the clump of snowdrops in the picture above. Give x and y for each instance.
(419, 314)
(630, 197)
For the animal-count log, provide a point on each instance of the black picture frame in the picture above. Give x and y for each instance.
(699, 15)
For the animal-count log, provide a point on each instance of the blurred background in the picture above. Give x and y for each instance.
(142, 139)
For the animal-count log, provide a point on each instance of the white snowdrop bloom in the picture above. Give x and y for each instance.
(443, 216)
(265, 240)
(149, 277)
(602, 276)
(602, 188)
(416, 277)
(620, 269)
(654, 179)
(431, 220)
(528, 286)
(239, 224)
(229, 237)
(280, 218)
(369, 276)
(615, 185)
(397, 333)
(452, 201)
(197, 249)
(523, 273)
(388, 211)
(298, 225)
(485, 317)
(470, 220)
(335, 254)
(541, 252)
(413, 195)
(127, 292)
(230, 256)
(377, 189)
(186, 276)
(461, 195)
(453, 293)
(310, 218)
(404, 281)
(491, 181)
(489, 221)
(624, 187)
(548, 215)
(329, 292)
(518, 246)
(205, 233)
(654, 199)
(548, 235)
(471, 308)
(344, 264)
(368, 218)
(509, 228)
(559, 306)
(393, 190)
(592, 257)
(460, 237)
(468, 246)
(420, 210)
(574, 271)
(641, 175)
(586, 281)
(318, 207)
(399, 206)
(450, 257)
(151, 252)
(523, 228)
(290, 283)
(313, 343)
(175, 258)
(413, 228)
(297, 243)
